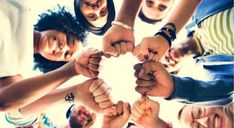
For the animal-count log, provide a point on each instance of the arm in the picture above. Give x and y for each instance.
(217, 91)
(78, 93)
(22, 92)
(123, 37)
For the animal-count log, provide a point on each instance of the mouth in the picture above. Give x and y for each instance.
(217, 121)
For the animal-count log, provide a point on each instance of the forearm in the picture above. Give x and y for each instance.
(181, 13)
(55, 98)
(128, 11)
(216, 92)
(25, 91)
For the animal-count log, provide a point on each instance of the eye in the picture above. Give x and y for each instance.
(162, 7)
(91, 17)
(103, 12)
(149, 3)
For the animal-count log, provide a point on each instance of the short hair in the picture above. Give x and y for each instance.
(63, 21)
(142, 16)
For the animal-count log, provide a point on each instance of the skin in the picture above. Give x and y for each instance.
(96, 15)
(205, 117)
(83, 116)
(56, 46)
(156, 9)
(145, 113)
(118, 117)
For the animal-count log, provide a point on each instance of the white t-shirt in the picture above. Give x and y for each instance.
(16, 37)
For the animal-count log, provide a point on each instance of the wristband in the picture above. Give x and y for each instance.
(122, 25)
(163, 34)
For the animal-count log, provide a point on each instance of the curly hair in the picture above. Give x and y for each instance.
(63, 21)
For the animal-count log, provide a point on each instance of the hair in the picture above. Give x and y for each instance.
(73, 123)
(142, 16)
(91, 28)
(63, 21)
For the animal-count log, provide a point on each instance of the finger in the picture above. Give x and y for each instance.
(117, 48)
(145, 83)
(95, 84)
(143, 90)
(111, 111)
(130, 46)
(151, 56)
(153, 106)
(138, 66)
(95, 60)
(136, 51)
(119, 107)
(108, 48)
(93, 74)
(104, 97)
(93, 67)
(137, 106)
(91, 51)
(144, 49)
(83, 70)
(105, 104)
(135, 112)
(123, 48)
(98, 54)
(100, 90)
(126, 111)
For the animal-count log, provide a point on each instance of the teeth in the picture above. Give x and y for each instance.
(216, 121)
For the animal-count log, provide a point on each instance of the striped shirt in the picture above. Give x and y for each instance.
(216, 33)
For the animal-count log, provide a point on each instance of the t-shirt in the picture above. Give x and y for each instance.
(16, 37)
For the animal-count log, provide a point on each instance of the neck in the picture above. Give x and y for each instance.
(36, 40)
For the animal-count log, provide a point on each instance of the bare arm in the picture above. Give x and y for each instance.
(21, 92)
(181, 13)
(128, 11)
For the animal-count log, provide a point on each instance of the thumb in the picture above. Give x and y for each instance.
(126, 111)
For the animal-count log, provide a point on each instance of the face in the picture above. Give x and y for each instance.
(205, 117)
(156, 9)
(58, 46)
(95, 11)
(83, 116)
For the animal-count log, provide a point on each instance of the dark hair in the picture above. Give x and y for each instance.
(142, 16)
(62, 21)
(91, 28)
(72, 122)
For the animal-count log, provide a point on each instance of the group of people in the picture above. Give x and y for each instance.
(52, 45)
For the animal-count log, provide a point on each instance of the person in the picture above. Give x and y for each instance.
(79, 117)
(153, 11)
(16, 33)
(93, 93)
(153, 79)
(201, 116)
(96, 16)
(145, 112)
(117, 117)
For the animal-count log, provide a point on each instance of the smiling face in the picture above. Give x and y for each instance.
(95, 11)
(205, 117)
(58, 46)
(83, 116)
(156, 9)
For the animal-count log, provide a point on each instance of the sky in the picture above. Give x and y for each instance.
(116, 72)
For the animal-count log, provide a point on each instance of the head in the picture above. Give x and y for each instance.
(205, 117)
(80, 117)
(96, 15)
(153, 11)
(59, 37)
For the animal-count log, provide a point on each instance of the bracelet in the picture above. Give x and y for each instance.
(163, 34)
(122, 25)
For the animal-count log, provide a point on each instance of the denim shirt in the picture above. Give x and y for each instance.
(216, 91)
(207, 8)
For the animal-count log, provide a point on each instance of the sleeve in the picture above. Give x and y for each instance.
(217, 92)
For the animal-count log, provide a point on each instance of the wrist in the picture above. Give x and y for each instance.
(123, 25)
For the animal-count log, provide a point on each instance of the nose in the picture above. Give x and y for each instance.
(203, 121)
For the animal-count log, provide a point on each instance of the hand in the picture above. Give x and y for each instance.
(120, 118)
(153, 79)
(173, 57)
(87, 63)
(118, 40)
(151, 48)
(94, 94)
(145, 112)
